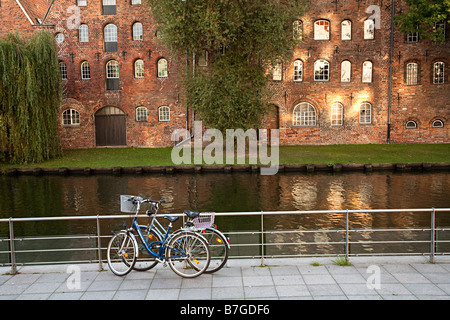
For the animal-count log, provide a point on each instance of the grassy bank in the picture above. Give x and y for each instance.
(132, 157)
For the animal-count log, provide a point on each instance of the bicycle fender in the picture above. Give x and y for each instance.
(219, 232)
(135, 243)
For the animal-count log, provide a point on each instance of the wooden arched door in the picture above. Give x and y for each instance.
(110, 127)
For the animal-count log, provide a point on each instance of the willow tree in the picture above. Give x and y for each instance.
(30, 94)
(243, 39)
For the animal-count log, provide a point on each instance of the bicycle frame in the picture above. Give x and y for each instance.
(166, 237)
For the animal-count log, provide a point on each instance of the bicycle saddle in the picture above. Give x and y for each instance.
(191, 214)
(171, 219)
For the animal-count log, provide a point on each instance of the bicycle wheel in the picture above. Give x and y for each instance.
(218, 247)
(188, 254)
(146, 261)
(121, 253)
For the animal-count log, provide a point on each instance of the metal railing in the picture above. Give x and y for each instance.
(266, 239)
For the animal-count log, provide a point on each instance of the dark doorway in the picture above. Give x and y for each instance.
(110, 127)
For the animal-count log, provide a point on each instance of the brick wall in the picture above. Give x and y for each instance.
(89, 96)
(422, 103)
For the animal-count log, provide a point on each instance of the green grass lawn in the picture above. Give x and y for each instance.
(131, 157)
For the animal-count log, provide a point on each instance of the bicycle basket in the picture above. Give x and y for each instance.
(126, 205)
(204, 220)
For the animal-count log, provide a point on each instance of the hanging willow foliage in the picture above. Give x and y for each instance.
(30, 94)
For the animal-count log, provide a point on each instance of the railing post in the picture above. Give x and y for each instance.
(99, 245)
(433, 236)
(11, 246)
(262, 239)
(346, 236)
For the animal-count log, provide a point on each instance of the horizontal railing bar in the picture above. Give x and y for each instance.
(256, 213)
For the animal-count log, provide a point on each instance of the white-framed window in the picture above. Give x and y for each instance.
(412, 71)
(412, 37)
(70, 117)
(59, 37)
(337, 114)
(322, 30)
(321, 70)
(298, 70)
(163, 70)
(85, 70)
(438, 124)
(346, 71)
(135, 2)
(369, 29)
(82, 3)
(63, 70)
(365, 113)
(112, 75)
(139, 69)
(83, 33)
(164, 114)
(367, 72)
(411, 124)
(112, 69)
(346, 30)
(438, 72)
(138, 32)
(111, 33)
(141, 114)
(109, 7)
(304, 115)
(297, 27)
(277, 72)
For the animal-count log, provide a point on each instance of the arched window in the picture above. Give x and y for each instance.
(298, 70)
(141, 114)
(163, 71)
(304, 115)
(411, 125)
(297, 27)
(139, 69)
(412, 71)
(369, 29)
(346, 71)
(111, 38)
(322, 30)
(70, 117)
(337, 114)
(112, 75)
(346, 30)
(138, 33)
(365, 113)
(164, 114)
(321, 70)
(438, 72)
(85, 70)
(438, 124)
(277, 72)
(83, 33)
(63, 70)
(367, 72)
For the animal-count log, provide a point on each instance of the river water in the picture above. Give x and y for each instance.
(44, 196)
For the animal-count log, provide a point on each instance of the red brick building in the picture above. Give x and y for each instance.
(350, 79)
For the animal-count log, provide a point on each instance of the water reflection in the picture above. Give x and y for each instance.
(29, 196)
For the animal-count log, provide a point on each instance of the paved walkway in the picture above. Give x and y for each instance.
(282, 279)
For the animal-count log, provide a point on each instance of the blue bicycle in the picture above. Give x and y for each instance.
(186, 252)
